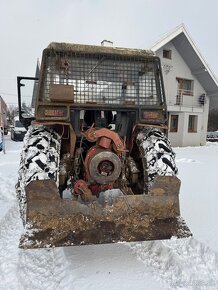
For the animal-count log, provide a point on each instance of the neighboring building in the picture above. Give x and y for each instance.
(3, 115)
(189, 84)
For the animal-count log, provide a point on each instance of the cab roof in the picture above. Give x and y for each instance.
(94, 49)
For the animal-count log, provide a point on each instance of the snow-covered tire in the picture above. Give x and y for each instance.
(158, 158)
(40, 159)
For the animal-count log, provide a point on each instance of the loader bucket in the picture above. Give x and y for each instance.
(54, 222)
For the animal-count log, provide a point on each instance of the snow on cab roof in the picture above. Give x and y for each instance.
(95, 49)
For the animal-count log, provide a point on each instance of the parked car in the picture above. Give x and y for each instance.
(212, 136)
(17, 131)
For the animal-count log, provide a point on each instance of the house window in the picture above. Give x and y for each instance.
(185, 87)
(192, 123)
(167, 53)
(174, 119)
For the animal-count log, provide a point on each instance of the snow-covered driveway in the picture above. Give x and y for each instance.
(176, 264)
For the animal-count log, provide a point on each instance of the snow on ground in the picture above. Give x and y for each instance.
(173, 264)
(198, 170)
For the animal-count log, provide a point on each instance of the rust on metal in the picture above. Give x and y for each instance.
(95, 49)
(104, 166)
(54, 113)
(105, 142)
(93, 135)
(62, 93)
(81, 188)
(151, 115)
(53, 221)
(72, 140)
(51, 111)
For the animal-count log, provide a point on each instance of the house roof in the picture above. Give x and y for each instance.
(191, 55)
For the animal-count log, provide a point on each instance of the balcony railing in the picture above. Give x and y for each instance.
(186, 98)
(185, 92)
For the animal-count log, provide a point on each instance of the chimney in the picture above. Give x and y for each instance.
(107, 43)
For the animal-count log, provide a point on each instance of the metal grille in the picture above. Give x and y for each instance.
(103, 79)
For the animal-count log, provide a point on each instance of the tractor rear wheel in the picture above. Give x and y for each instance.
(153, 155)
(39, 160)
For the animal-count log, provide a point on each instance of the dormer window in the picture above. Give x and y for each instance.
(167, 53)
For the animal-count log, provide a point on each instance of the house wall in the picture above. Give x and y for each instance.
(176, 138)
(3, 113)
(175, 68)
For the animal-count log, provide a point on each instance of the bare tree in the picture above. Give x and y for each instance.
(213, 120)
(11, 113)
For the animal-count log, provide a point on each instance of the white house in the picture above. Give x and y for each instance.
(189, 84)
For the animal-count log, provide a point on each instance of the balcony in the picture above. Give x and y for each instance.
(187, 98)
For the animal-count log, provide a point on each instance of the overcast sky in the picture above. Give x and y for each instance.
(28, 26)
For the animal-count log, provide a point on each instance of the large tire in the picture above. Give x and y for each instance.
(40, 159)
(154, 156)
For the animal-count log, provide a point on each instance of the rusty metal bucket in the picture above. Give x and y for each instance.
(54, 222)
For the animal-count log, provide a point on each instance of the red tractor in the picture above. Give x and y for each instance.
(97, 166)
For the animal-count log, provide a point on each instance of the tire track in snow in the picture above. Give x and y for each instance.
(29, 269)
(47, 269)
(181, 263)
(6, 184)
(10, 229)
